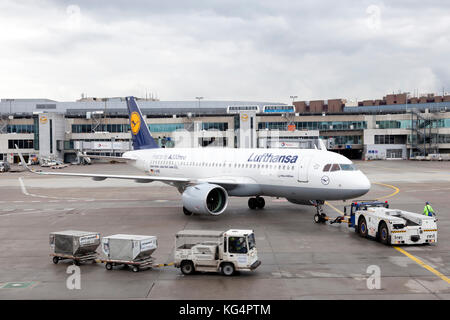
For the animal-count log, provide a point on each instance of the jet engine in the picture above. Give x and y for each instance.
(205, 198)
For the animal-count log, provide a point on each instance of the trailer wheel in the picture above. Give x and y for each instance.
(362, 227)
(187, 267)
(135, 269)
(383, 233)
(55, 260)
(108, 266)
(228, 269)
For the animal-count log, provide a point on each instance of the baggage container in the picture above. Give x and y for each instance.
(74, 243)
(128, 247)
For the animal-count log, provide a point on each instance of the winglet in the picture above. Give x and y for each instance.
(22, 160)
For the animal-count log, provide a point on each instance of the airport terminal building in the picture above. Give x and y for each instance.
(395, 127)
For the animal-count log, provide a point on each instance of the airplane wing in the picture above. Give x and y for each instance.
(109, 158)
(100, 177)
(226, 182)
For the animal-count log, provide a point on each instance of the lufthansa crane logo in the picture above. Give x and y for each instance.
(43, 119)
(325, 180)
(244, 117)
(135, 122)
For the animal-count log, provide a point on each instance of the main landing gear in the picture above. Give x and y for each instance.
(320, 216)
(256, 203)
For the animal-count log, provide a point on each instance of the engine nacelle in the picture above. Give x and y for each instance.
(205, 198)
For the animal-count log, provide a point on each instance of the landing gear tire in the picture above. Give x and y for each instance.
(252, 203)
(187, 212)
(260, 202)
(319, 218)
(256, 203)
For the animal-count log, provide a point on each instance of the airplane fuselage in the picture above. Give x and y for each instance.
(295, 174)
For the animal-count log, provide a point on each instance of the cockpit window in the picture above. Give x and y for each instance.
(335, 167)
(348, 167)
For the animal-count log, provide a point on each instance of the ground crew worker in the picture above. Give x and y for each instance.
(428, 210)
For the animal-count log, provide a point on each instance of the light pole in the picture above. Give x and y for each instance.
(199, 98)
(293, 98)
(406, 103)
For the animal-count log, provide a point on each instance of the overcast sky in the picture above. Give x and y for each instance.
(223, 50)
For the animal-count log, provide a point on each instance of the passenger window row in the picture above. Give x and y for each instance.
(223, 165)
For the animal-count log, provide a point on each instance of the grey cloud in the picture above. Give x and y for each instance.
(237, 49)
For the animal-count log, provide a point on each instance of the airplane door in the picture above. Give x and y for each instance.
(303, 167)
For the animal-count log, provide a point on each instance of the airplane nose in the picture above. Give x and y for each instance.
(364, 184)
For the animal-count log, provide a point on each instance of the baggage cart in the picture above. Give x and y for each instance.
(78, 246)
(77, 260)
(134, 251)
(135, 265)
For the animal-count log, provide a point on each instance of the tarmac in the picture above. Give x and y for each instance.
(300, 259)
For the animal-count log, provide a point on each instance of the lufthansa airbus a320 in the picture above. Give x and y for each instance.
(206, 177)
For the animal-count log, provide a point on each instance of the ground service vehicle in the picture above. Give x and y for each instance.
(215, 251)
(4, 166)
(374, 219)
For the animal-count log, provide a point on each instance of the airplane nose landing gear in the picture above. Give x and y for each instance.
(320, 216)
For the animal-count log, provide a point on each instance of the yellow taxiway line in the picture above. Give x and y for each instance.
(423, 264)
(333, 207)
(397, 190)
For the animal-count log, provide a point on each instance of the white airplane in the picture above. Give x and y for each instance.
(206, 177)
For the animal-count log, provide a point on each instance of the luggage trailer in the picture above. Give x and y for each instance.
(195, 250)
(374, 219)
(78, 246)
(133, 251)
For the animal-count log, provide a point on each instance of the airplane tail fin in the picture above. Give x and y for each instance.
(142, 138)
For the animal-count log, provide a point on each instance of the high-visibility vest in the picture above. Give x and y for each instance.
(428, 210)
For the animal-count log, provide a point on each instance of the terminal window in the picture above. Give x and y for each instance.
(390, 139)
(22, 144)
